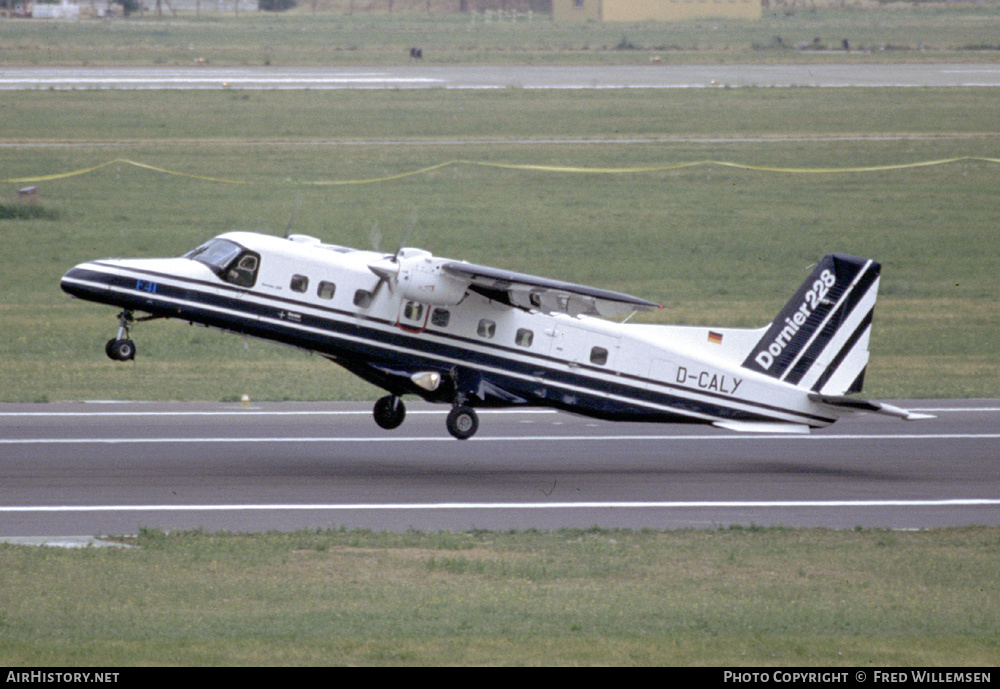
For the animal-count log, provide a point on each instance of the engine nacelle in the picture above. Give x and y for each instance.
(416, 275)
(422, 279)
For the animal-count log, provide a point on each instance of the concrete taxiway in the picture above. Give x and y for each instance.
(660, 76)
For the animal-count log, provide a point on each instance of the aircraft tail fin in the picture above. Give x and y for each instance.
(819, 340)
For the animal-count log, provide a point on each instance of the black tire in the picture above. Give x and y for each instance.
(463, 422)
(120, 350)
(389, 412)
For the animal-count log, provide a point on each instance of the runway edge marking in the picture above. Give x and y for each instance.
(736, 504)
(505, 439)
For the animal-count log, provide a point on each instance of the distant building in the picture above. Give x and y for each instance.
(63, 10)
(656, 10)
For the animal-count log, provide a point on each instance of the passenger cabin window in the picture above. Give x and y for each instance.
(440, 318)
(363, 298)
(599, 356)
(300, 283)
(487, 329)
(326, 290)
(524, 337)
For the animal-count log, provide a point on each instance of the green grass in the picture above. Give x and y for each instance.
(26, 211)
(332, 36)
(715, 244)
(742, 596)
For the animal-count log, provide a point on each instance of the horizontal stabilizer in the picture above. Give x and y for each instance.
(762, 426)
(867, 405)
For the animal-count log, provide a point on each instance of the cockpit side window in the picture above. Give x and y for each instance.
(243, 271)
(230, 261)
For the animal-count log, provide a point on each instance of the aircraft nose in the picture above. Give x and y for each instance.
(83, 281)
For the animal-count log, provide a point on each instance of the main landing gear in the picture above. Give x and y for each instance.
(389, 412)
(462, 422)
(121, 348)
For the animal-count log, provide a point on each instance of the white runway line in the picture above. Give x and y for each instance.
(255, 411)
(734, 504)
(242, 440)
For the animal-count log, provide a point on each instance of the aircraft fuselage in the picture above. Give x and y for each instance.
(418, 334)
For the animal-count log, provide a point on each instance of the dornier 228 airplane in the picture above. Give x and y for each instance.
(477, 337)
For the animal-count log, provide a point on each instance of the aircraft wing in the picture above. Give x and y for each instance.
(545, 295)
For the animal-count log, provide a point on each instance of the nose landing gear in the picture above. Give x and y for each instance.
(121, 348)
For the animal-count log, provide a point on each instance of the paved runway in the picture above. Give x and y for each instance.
(111, 468)
(475, 77)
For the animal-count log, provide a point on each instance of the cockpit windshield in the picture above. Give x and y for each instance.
(228, 260)
(216, 253)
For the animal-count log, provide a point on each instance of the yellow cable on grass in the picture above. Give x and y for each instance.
(117, 161)
(514, 166)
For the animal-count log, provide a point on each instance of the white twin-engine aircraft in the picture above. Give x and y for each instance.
(476, 337)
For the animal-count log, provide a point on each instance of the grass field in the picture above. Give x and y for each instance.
(715, 244)
(742, 597)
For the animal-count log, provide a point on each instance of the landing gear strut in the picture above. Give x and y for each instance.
(121, 348)
(389, 412)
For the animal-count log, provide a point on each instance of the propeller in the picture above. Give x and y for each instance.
(407, 232)
(291, 217)
(387, 269)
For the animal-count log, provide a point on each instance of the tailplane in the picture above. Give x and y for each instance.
(819, 340)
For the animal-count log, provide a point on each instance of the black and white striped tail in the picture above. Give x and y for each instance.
(819, 340)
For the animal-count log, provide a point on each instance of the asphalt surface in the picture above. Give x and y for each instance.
(112, 468)
(661, 76)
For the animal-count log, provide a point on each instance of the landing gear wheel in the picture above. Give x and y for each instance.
(463, 422)
(389, 412)
(120, 350)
